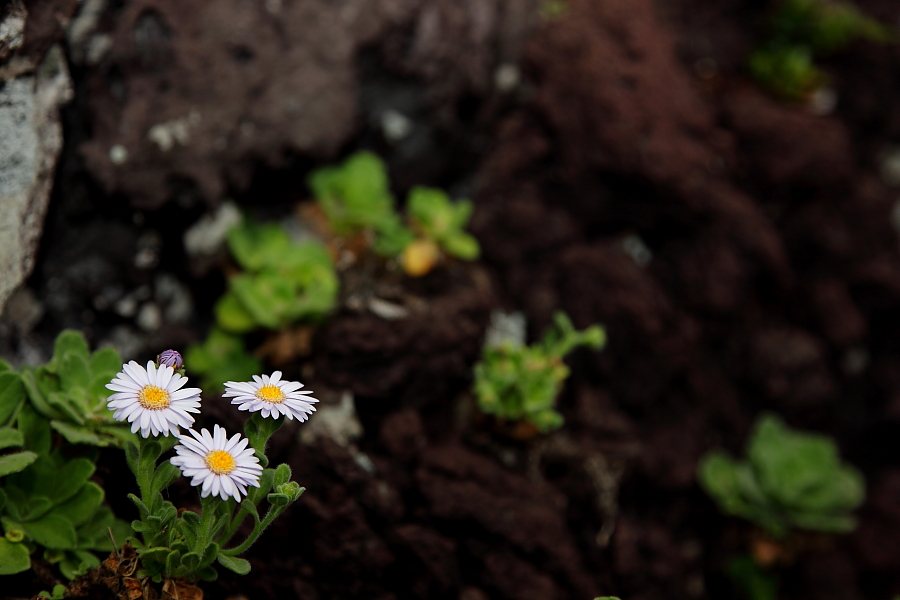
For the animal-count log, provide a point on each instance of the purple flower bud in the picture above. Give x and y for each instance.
(170, 358)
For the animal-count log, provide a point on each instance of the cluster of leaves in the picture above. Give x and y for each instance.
(519, 382)
(801, 30)
(46, 497)
(356, 199)
(173, 543)
(789, 479)
(282, 282)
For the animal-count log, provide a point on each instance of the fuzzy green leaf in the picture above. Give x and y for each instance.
(76, 434)
(238, 565)
(10, 437)
(12, 394)
(52, 531)
(70, 341)
(81, 507)
(13, 463)
(14, 557)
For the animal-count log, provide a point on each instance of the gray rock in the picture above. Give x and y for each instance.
(29, 149)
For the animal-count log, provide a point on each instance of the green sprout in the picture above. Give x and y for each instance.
(801, 30)
(518, 382)
(789, 480)
(440, 224)
(356, 199)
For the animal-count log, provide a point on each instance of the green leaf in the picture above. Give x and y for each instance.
(166, 473)
(232, 316)
(461, 245)
(76, 434)
(5, 366)
(266, 296)
(12, 394)
(73, 371)
(61, 483)
(173, 561)
(10, 437)
(36, 394)
(14, 557)
(70, 342)
(13, 463)
(67, 407)
(105, 362)
(191, 561)
(52, 531)
(82, 506)
(256, 246)
(238, 565)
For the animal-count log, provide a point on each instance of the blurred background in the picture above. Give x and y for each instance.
(715, 183)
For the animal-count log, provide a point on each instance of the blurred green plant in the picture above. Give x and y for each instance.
(356, 199)
(755, 582)
(801, 30)
(434, 217)
(789, 480)
(519, 382)
(46, 497)
(282, 282)
(221, 357)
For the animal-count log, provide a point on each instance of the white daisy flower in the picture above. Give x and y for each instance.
(152, 399)
(224, 467)
(271, 397)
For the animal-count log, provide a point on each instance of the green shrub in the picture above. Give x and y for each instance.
(789, 480)
(518, 382)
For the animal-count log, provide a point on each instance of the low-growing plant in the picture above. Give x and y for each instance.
(69, 392)
(789, 480)
(282, 282)
(519, 382)
(440, 227)
(356, 199)
(47, 500)
(232, 473)
(801, 30)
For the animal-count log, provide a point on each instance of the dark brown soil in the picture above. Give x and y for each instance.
(769, 279)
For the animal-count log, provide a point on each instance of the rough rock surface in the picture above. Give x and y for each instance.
(32, 140)
(188, 98)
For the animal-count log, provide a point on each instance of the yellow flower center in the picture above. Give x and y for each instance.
(271, 393)
(154, 398)
(220, 462)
